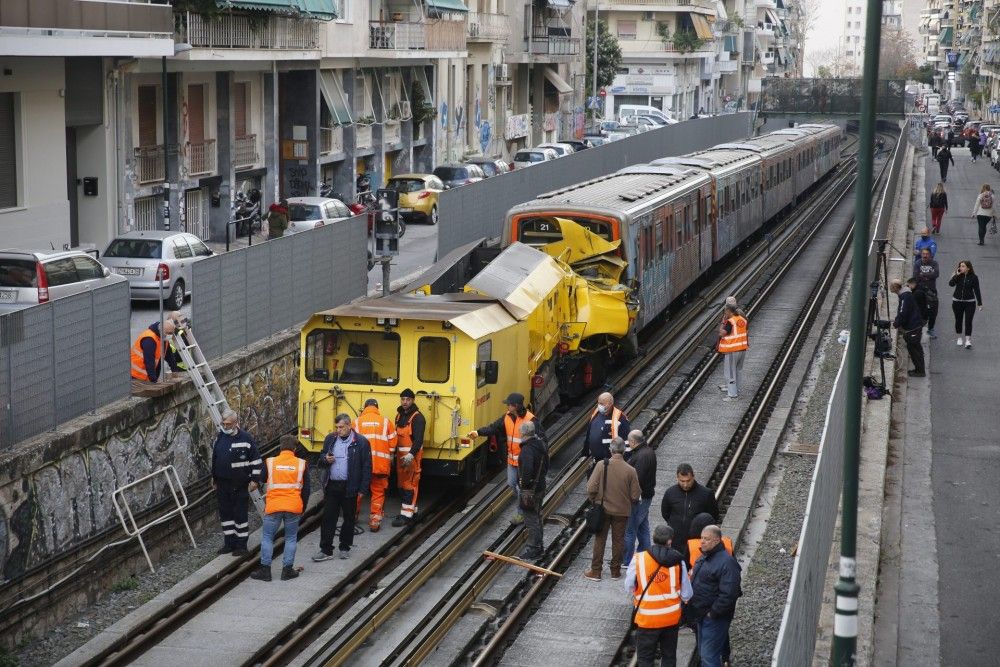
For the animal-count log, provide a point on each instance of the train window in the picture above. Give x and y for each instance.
(770, 176)
(352, 357)
(544, 229)
(679, 219)
(703, 212)
(433, 359)
(483, 353)
(736, 190)
(648, 237)
(688, 232)
(659, 238)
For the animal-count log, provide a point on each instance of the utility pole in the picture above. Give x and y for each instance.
(166, 146)
(845, 631)
(597, 30)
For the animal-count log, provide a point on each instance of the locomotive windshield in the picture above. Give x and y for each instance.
(352, 357)
(539, 230)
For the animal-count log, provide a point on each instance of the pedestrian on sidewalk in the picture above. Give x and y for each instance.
(640, 456)
(910, 322)
(983, 210)
(345, 473)
(733, 344)
(534, 464)
(964, 301)
(277, 219)
(658, 582)
(715, 585)
(236, 469)
(935, 143)
(926, 272)
(615, 485)
(685, 500)
(924, 241)
(287, 479)
(938, 206)
(944, 158)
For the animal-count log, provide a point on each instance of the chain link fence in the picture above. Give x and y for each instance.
(62, 359)
(245, 295)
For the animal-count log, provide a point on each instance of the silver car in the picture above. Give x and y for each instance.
(306, 213)
(142, 257)
(29, 278)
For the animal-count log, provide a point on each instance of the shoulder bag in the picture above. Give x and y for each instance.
(652, 578)
(595, 517)
(527, 498)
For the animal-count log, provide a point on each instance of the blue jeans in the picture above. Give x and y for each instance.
(271, 523)
(512, 483)
(713, 635)
(637, 528)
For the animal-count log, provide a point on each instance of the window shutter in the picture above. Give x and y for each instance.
(147, 116)
(8, 166)
(240, 108)
(196, 113)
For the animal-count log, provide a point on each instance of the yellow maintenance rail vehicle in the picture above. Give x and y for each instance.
(478, 325)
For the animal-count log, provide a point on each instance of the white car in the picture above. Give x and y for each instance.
(305, 213)
(559, 148)
(28, 278)
(143, 257)
(528, 157)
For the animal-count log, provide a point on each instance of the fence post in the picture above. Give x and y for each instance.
(93, 357)
(10, 381)
(52, 362)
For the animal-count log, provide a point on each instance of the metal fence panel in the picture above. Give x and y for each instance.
(61, 359)
(475, 211)
(249, 294)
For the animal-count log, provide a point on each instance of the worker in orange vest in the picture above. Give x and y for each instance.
(410, 429)
(698, 524)
(287, 480)
(733, 344)
(658, 581)
(509, 426)
(147, 351)
(381, 434)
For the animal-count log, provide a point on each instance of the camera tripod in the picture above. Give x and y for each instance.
(877, 326)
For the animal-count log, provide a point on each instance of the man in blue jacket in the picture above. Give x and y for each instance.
(607, 422)
(236, 470)
(910, 321)
(345, 473)
(715, 583)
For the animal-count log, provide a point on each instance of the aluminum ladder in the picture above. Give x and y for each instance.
(201, 374)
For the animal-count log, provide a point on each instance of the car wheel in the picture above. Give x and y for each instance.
(433, 219)
(176, 299)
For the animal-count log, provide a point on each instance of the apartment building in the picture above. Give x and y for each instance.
(852, 42)
(184, 109)
(989, 67)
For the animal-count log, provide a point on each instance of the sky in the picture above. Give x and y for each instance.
(826, 31)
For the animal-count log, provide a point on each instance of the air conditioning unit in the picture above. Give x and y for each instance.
(649, 16)
(503, 71)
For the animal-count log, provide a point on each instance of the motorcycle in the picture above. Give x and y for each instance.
(246, 211)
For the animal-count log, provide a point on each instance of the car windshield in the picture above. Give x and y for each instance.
(405, 185)
(488, 168)
(451, 173)
(299, 212)
(135, 248)
(525, 156)
(17, 273)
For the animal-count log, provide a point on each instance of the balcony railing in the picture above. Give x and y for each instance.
(331, 140)
(245, 151)
(704, 4)
(485, 27)
(363, 136)
(235, 31)
(396, 36)
(446, 36)
(553, 46)
(96, 18)
(392, 132)
(200, 157)
(149, 164)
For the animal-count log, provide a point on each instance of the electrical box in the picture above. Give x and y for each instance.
(90, 186)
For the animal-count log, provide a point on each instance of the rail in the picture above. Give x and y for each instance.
(149, 167)
(245, 151)
(200, 157)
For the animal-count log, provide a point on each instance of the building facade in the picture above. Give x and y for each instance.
(140, 116)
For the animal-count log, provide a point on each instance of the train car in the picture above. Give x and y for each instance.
(777, 154)
(463, 352)
(660, 214)
(829, 139)
(807, 139)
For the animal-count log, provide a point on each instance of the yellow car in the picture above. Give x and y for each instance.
(418, 196)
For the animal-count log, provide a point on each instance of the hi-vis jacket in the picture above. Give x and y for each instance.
(381, 435)
(287, 483)
(736, 340)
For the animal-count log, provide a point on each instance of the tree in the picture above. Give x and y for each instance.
(896, 59)
(830, 63)
(609, 56)
(824, 72)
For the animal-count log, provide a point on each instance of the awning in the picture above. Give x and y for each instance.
(557, 81)
(562, 4)
(772, 18)
(701, 27)
(946, 36)
(320, 9)
(783, 54)
(447, 5)
(333, 95)
(720, 10)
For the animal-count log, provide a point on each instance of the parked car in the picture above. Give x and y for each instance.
(418, 196)
(528, 157)
(576, 144)
(455, 174)
(29, 278)
(142, 257)
(491, 166)
(306, 213)
(596, 139)
(560, 149)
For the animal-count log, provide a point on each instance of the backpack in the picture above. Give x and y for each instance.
(986, 200)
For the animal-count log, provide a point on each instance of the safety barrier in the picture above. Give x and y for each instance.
(61, 359)
(246, 295)
(477, 210)
(797, 637)
(132, 528)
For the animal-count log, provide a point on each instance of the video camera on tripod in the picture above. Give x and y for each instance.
(880, 333)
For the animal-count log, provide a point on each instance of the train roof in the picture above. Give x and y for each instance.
(709, 159)
(769, 143)
(472, 314)
(625, 188)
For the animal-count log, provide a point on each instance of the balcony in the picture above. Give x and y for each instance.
(200, 157)
(392, 133)
(331, 140)
(363, 137)
(728, 66)
(607, 5)
(766, 4)
(541, 43)
(235, 31)
(446, 36)
(765, 31)
(396, 36)
(245, 151)
(148, 164)
(484, 27)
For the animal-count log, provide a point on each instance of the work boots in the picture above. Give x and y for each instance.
(288, 573)
(263, 573)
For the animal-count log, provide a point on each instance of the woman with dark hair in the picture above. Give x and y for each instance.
(938, 206)
(964, 301)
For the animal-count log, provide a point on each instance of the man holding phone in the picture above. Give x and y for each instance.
(345, 474)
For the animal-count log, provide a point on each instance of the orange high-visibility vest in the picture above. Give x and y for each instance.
(381, 434)
(661, 606)
(284, 483)
(736, 341)
(139, 360)
(513, 427)
(615, 421)
(404, 435)
(694, 551)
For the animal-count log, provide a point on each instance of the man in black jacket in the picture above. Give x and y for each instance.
(534, 465)
(910, 321)
(236, 470)
(715, 581)
(345, 473)
(683, 501)
(640, 456)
